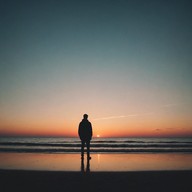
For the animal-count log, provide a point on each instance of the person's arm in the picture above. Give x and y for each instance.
(91, 130)
(79, 131)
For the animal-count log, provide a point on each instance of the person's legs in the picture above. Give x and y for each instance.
(82, 148)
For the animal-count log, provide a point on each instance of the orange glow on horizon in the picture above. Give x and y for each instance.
(105, 132)
(123, 127)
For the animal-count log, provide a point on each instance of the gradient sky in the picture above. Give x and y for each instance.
(127, 64)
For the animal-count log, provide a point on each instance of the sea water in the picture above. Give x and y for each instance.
(98, 145)
(108, 154)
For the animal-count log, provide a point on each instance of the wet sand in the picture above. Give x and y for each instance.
(156, 181)
(104, 172)
(99, 162)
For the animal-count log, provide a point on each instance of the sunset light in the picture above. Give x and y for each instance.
(128, 68)
(96, 95)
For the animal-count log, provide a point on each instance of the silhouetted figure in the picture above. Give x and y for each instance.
(85, 134)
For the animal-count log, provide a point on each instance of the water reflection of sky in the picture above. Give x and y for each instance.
(99, 162)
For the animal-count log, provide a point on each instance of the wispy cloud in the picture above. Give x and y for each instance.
(137, 114)
(115, 117)
(121, 116)
(170, 105)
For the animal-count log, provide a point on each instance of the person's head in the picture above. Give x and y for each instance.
(85, 116)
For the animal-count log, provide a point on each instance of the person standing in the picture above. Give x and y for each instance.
(85, 135)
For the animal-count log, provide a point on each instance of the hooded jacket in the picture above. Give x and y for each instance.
(85, 130)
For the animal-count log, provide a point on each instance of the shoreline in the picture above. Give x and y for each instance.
(99, 162)
(25, 180)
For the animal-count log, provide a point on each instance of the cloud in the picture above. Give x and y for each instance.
(115, 117)
(121, 116)
(172, 105)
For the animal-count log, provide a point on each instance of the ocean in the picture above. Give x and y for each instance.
(98, 145)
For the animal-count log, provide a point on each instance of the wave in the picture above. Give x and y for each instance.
(100, 145)
(102, 150)
(120, 145)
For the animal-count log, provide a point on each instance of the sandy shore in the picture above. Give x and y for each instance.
(156, 181)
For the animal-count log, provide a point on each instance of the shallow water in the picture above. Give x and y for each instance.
(99, 162)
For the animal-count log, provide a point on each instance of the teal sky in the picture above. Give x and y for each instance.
(60, 59)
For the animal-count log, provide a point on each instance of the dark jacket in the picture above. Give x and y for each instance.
(85, 130)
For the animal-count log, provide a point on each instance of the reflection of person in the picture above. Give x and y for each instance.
(83, 166)
(85, 134)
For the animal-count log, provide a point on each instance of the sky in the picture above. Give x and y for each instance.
(127, 64)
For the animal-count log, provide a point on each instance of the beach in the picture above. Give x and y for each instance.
(54, 164)
(107, 79)
(104, 172)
